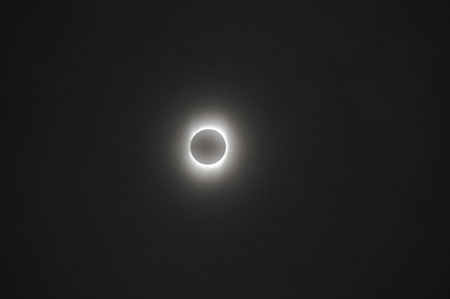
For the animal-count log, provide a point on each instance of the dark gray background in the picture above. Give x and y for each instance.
(341, 192)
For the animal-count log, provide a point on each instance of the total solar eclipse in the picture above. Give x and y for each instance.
(208, 147)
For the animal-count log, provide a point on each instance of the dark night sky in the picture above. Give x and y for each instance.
(340, 189)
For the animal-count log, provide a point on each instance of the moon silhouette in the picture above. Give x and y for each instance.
(208, 147)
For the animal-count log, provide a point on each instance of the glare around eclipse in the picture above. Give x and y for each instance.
(208, 147)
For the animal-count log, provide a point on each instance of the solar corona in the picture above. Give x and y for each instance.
(208, 147)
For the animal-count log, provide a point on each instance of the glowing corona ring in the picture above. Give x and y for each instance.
(220, 162)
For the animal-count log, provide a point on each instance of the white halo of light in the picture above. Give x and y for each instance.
(225, 154)
(204, 120)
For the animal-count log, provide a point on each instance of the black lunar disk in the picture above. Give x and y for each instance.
(208, 146)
